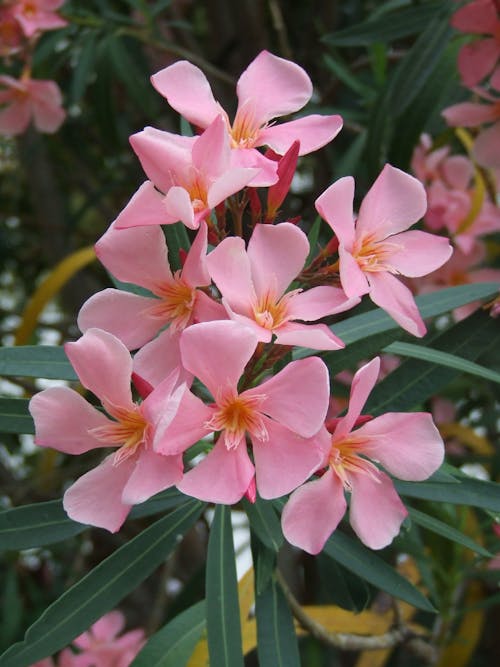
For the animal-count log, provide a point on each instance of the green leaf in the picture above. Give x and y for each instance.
(442, 359)
(387, 28)
(11, 610)
(102, 588)
(344, 74)
(174, 643)
(442, 528)
(276, 638)
(84, 64)
(414, 381)
(264, 560)
(177, 239)
(470, 491)
(15, 416)
(38, 361)
(223, 614)
(367, 565)
(264, 522)
(312, 237)
(40, 524)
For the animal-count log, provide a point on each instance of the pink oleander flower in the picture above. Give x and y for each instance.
(11, 34)
(65, 421)
(407, 445)
(189, 176)
(428, 165)
(102, 646)
(38, 15)
(140, 256)
(253, 285)
(66, 658)
(281, 416)
(375, 249)
(486, 150)
(25, 100)
(270, 87)
(478, 59)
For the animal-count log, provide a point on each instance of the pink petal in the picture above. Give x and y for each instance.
(294, 457)
(15, 118)
(96, 498)
(397, 300)
(487, 147)
(478, 17)
(211, 150)
(206, 309)
(107, 627)
(335, 206)
(263, 335)
(145, 208)
(318, 302)
(376, 511)
(313, 512)
(48, 114)
(186, 428)
(252, 158)
(394, 202)
(104, 366)
(408, 445)
(469, 114)
(231, 181)
(271, 87)
(297, 397)
(420, 254)
(195, 269)
(222, 477)
(477, 60)
(63, 420)
(153, 473)
(159, 358)
(165, 157)
(230, 268)
(363, 382)
(178, 206)
(122, 314)
(217, 353)
(313, 132)
(353, 279)
(188, 92)
(137, 255)
(458, 171)
(313, 336)
(277, 254)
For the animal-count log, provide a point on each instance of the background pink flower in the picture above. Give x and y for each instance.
(25, 100)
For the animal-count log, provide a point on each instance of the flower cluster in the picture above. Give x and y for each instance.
(24, 99)
(211, 340)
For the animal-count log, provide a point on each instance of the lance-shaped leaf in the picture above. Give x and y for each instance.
(102, 588)
(15, 417)
(276, 638)
(38, 361)
(264, 522)
(469, 491)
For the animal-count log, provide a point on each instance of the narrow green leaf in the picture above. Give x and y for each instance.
(264, 560)
(442, 359)
(312, 237)
(174, 643)
(84, 64)
(367, 565)
(40, 524)
(264, 522)
(442, 528)
(387, 28)
(102, 588)
(223, 614)
(344, 74)
(38, 361)
(276, 638)
(469, 491)
(177, 239)
(15, 416)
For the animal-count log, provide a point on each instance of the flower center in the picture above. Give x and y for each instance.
(237, 414)
(29, 9)
(373, 255)
(176, 303)
(129, 432)
(245, 129)
(345, 458)
(270, 312)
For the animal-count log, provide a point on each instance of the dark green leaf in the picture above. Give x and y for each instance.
(102, 588)
(84, 65)
(276, 638)
(367, 565)
(177, 239)
(174, 643)
(15, 416)
(223, 614)
(264, 522)
(442, 528)
(264, 560)
(38, 361)
(475, 492)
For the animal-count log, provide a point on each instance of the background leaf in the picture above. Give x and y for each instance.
(276, 638)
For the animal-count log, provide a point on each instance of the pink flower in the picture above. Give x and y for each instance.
(11, 34)
(38, 15)
(188, 177)
(376, 248)
(270, 87)
(407, 445)
(66, 659)
(253, 285)
(477, 59)
(26, 100)
(281, 417)
(65, 421)
(102, 647)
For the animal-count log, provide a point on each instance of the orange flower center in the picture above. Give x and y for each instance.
(270, 312)
(176, 303)
(245, 130)
(129, 432)
(373, 255)
(236, 415)
(345, 458)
